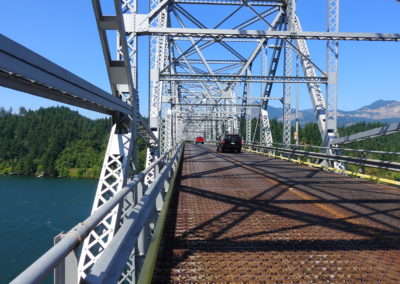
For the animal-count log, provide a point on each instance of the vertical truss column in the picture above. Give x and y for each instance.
(167, 132)
(236, 124)
(157, 60)
(120, 160)
(161, 134)
(209, 130)
(248, 128)
(266, 128)
(265, 131)
(246, 115)
(287, 110)
(230, 125)
(332, 50)
(174, 108)
(219, 125)
(179, 128)
(215, 129)
(314, 89)
(113, 177)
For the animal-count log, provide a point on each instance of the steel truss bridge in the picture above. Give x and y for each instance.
(204, 80)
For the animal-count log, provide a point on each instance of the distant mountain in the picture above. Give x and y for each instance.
(378, 104)
(381, 110)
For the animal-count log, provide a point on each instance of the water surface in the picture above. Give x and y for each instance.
(34, 210)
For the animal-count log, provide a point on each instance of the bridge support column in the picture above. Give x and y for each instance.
(248, 128)
(114, 174)
(67, 271)
(287, 110)
(266, 129)
(332, 58)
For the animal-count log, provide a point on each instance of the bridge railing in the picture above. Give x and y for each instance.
(130, 242)
(359, 157)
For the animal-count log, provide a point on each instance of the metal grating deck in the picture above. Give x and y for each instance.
(247, 218)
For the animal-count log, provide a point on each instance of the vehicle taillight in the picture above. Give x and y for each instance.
(223, 141)
(241, 142)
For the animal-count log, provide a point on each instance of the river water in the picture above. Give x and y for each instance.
(34, 210)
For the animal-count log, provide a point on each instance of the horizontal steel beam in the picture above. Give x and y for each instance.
(200, 94)
(24, 70)
(384, 130)
(221, 34)
(231, 2)
(182, 115)
(189, 120)
(213, 61)
(240, 78)
(219, 105)
(212, 39)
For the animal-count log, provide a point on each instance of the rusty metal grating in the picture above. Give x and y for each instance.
(245, 218)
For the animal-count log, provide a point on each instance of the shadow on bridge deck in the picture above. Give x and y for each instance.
(247, 217)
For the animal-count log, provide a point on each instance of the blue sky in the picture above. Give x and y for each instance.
(66, 33)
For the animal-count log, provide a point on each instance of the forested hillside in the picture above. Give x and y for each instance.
(59, 142)
(53, 142)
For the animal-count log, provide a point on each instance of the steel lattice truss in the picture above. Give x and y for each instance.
(213, 73)
(208, 79)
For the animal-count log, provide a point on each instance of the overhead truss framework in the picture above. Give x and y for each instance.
(209, 65)
(207, 79)
(204, 66)
(211, 56)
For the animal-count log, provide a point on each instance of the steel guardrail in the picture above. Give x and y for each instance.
(73, 238)
(294, 146)
(387, 165)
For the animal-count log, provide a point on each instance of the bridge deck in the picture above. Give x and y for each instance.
(246, 217)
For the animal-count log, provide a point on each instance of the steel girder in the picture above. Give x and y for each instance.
(332, 70)
(287, 96)
(314, 89)
(266, 137)
(372, 133)
(120, 159)
(224, 35)
(234, 78)
(157, 17)
(24, 70)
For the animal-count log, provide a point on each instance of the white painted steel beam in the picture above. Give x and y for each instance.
(258, 34)
(376, 132)
(24, 70)
(239, 78)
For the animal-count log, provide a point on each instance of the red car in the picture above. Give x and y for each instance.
(199, 140)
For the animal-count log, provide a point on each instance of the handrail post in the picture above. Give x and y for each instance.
(141, 246)
(67, 270)
(363, 165)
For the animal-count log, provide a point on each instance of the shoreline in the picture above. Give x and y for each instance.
(44, 176)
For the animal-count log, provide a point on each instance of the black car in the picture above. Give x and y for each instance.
(231, 142)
